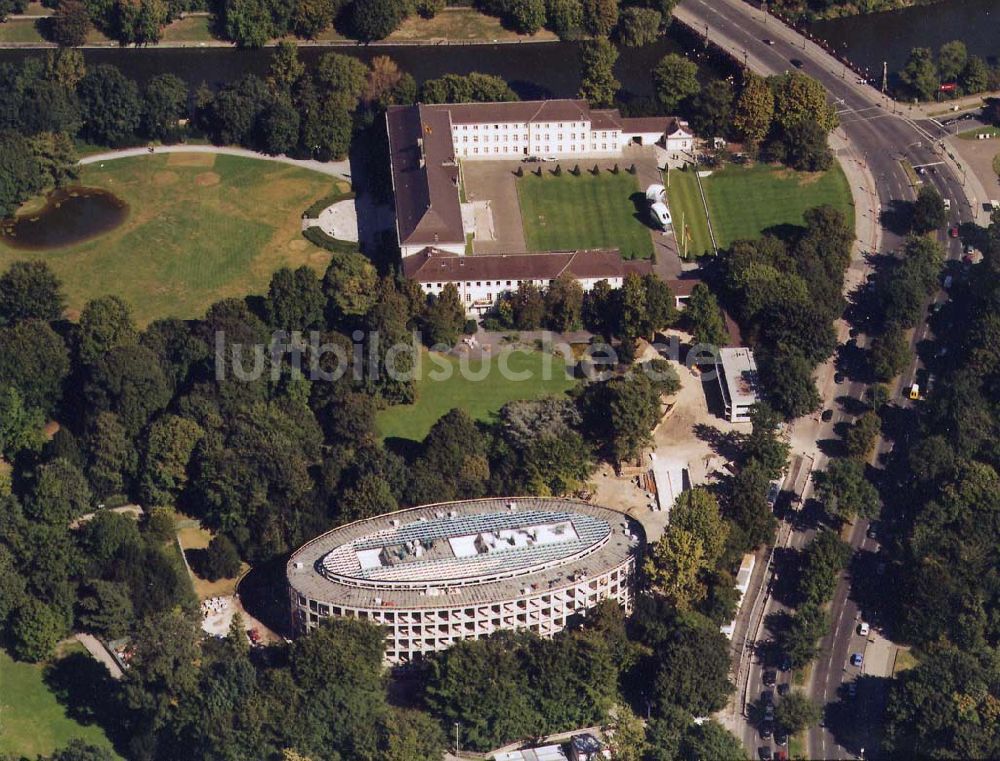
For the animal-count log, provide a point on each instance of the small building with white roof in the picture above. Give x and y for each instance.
(736, 372)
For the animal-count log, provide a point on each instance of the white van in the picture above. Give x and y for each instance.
(660, 214)
(656, 194)
(947, 204)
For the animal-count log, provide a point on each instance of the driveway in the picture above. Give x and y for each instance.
(493, 181)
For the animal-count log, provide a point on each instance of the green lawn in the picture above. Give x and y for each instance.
(745, 201)
(973, 134)
(200, 228)
(32, 721)
(480, 398)
(567, 212)
(688, 213)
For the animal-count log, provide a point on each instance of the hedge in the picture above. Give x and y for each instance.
(314, 211)
(321, 239)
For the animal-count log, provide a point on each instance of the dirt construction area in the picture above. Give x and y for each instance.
(691, 433)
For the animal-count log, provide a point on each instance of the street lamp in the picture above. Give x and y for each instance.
(456, 738)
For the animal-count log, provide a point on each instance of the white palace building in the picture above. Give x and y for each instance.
(435, 575)
(426, 142)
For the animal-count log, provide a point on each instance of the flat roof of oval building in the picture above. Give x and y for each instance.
(462, 553)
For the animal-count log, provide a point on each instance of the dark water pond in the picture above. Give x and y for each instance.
(871, 39)
(70, 216)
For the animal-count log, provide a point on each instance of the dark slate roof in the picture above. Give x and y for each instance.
(433, 266)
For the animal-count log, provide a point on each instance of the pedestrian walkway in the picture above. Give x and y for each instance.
(100, 653)
(339, 169)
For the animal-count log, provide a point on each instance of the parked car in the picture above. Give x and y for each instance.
(948, 281)
(827, 416)
(838, 377)
(767, 697)
(766, 730)
(549, 158)
(953, 232)
(863, 629)
(765, 753)
(784, 688)
(796, 63)
(786, 663)
(770, 677)
(767, 41)
(872, 532)
(857, 659)
(781, 737)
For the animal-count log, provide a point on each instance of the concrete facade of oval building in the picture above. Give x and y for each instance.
(438, 574)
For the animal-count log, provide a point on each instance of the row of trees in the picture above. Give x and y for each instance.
(923, 76)
(786, 294)
(942, 498)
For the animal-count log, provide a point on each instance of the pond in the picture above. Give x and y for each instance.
(69, 216)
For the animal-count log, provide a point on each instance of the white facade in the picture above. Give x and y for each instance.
(562, 139)
(480, 296)
(680, 139)
(430, 594)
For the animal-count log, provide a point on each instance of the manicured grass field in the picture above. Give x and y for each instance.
(745, 201)
(460, 24)
(480, 398)
(567, 212)
(201, 227)
(688, 213)
(32, 721)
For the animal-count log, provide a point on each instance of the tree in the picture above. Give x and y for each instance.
(627, 740)
(675, 79)
(351, 285)
(60, 494)
(105, 323)
(704, 317)
(748, 508)
(796, 712)
(372, 20)
(754, 110)
(712, 108)
(70, 24)
(764, 445)
(598, 85)
(527, 306)
(691, 667)
(798, 97)
(278, 128)
(639, 26)
(952, 58)
(110, 105)
(600, 16)
(975, 76)
(79, 750)
(805, 147)
(342, 78)
(674, 567)
(248, 23)
(35, 630)
(286, 70)
(165, 103)
(129, 381)
(105, 608)
(21, 173)
(711, 740)
(563, 301)
(222, 560)
(799, 639)
(30, 291)
(525, 16)
(56, 157)
(565, 18)
(312, 17)
(20, 426)
(471, 88)
(860, 437)
(139, 22)
(844, 490)
(369, 497)
(35, 361)
(387, 84)
(889, 354)
(928, 210)
(444, 317)
(169, 446)
(697, 512)
(414, 736)
(920, 75)
(112, 458)
(295, 300)
(791, 389)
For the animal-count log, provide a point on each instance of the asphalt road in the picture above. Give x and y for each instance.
(880, 132)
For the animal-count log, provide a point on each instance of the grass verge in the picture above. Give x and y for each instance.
(481, 398)
(973, 134)
(201, 227)
(32, 721)
(744, 202)
(567, 212)
(688, 213)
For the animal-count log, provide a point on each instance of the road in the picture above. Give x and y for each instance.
(886, 139)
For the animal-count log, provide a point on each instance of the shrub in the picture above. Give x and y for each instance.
(317, 236)
(221, 559)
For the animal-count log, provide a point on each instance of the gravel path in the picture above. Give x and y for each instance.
(339, 169)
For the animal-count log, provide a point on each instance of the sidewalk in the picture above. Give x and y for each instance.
(339, 169)
(100, 653)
